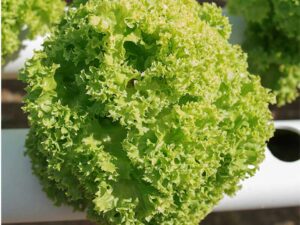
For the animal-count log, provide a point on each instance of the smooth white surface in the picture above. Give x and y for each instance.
(22, 197)
(277, 184)
(27, 51)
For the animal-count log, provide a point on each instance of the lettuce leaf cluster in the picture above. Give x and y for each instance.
(26, 18)
(141, 112)
(273, 43)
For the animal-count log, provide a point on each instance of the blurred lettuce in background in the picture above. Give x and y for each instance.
(273, 43)
(26, 19)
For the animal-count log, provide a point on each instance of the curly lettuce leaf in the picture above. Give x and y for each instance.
(142, 112)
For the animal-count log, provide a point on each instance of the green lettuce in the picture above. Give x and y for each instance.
(273, 43)
(26, 19)
(141, 112)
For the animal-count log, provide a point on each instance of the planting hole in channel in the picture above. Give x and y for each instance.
(285, 145)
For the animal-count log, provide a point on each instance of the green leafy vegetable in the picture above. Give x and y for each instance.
(273, 43)
(141, 112)
(26, 18)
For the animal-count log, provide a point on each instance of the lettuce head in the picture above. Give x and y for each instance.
(272, 41)
(142, 112)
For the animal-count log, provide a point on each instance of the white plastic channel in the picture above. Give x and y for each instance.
(27, 51)
(276, 184)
